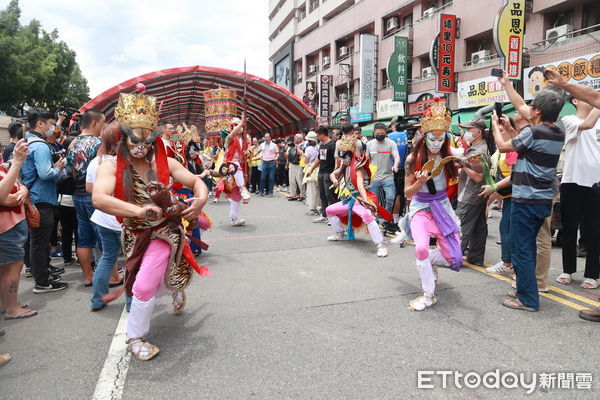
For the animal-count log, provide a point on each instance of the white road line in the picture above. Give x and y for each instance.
(112, 378)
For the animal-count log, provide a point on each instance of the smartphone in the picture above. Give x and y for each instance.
(498, 107)
(497, 72)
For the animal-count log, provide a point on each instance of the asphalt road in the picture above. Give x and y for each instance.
(288, 315)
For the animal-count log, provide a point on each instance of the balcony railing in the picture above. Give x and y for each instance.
(482, 61)
(435, 11)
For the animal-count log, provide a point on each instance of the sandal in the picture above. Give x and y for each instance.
(589, 283)
(20, 305)
(517, 305)
(179, 300)
(4, 358)
(564, 279)
(512, 293)
(23, 314)
(142, 350)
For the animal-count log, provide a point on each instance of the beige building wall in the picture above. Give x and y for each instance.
(319, 30)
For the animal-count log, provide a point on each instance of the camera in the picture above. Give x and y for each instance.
(68, 113)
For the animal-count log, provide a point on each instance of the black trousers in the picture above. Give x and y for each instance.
(281, 175)
(580, 203)
(68, 224)
(474, 231)
(326, 194)
(54, 238)
(38, 257)
(399, 181)
(255, 179)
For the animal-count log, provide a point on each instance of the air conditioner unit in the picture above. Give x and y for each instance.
(428, 12)
(558, 34)
(479, 56)
(312, 69)
(391, 24)
(344, 51)
(299, 77)
(343, 97)
(326, 61)
(428, 71)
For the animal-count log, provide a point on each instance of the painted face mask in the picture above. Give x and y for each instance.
(139, 142)
(434, 143)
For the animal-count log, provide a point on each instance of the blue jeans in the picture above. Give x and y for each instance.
(86, 231)
(267, 177)
(389, 189)
(505, 231)
(525, 223)
(111, 245)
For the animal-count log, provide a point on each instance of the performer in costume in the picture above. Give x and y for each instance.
(430, 213)
(158, 258)
(236, 145)
(358, 205)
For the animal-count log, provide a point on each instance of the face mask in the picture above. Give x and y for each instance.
(380, 137)
(434, 144)
(468, 136)
(50, 131)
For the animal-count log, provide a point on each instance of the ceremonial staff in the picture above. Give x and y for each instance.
(245, 126)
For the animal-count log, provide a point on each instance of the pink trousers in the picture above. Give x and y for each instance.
(152, 271)
(341, 210)
(422, 227)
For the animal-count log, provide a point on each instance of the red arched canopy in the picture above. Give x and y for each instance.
(271, 107)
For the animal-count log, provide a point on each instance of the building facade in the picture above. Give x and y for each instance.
(311, 38)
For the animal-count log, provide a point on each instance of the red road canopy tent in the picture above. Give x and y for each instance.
(271, 107)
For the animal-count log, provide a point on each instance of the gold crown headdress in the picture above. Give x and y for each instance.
(436, 118)
(137, 111)
(190, 134)
(347, 143)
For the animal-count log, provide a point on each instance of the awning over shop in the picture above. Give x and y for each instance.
(367, 130)
(270, 106)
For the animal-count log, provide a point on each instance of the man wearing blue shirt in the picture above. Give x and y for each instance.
(401, 140)
(39, 174)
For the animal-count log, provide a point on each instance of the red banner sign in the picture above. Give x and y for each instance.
(420, 106)
(446, 53)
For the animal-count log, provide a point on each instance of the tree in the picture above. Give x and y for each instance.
(36, 69)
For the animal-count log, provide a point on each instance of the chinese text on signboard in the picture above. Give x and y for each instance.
(397, 69)
(446, 51)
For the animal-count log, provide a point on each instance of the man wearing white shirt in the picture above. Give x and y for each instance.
(581, 172)
(269, 156)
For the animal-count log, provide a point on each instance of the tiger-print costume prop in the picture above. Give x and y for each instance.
(179, 271)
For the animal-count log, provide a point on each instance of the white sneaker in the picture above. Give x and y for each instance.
(382, 250)
(215, 200)
(337, 236)
(245, 193)
(238, 222)
(499, 268)
(400, 238)
(320, 219)
(422, 302)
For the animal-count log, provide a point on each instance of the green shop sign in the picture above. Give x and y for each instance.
(397, 69)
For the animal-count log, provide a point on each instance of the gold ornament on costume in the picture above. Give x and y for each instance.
(190, 134)
(347, 143)
(436, 118)
(137, 111)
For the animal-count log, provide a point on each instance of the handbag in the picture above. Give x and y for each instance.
(32, 214)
